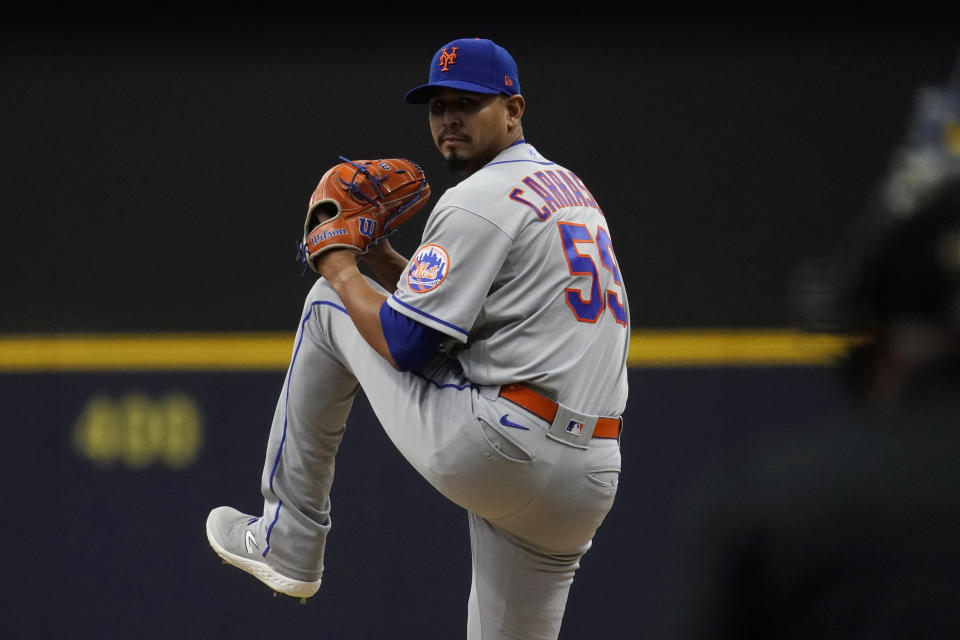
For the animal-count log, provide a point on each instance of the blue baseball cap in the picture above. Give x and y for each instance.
(470, 64)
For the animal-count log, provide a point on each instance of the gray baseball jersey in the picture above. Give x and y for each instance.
(517, 268)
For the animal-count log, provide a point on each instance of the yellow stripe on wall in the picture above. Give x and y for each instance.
(711, 347)
(147, 352)
(272, 351)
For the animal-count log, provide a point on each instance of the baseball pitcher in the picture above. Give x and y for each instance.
(494, 357)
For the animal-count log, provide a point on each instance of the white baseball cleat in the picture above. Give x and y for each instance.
(232, 537)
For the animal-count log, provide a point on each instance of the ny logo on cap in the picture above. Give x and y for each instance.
(447, 58)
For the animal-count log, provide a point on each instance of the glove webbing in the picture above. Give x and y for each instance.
(354, 188)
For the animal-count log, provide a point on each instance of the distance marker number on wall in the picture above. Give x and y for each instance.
(138, 430)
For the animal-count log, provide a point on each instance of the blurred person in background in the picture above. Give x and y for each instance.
(850, 528)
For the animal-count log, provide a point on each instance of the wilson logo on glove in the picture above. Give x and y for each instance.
(367, 226)
(323, 234)
(359, 202)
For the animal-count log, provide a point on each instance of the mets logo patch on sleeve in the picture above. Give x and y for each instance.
(427, 268)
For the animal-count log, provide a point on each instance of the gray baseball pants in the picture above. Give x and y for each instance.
(533, 503)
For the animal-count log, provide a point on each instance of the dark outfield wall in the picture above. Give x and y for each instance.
(109, 479)
(156, 170)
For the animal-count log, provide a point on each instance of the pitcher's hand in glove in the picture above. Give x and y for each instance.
(359, 202)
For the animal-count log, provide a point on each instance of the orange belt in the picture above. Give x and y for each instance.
(543, 407)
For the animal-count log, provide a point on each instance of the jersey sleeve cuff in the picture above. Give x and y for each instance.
(449, 329)
(411, 344)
